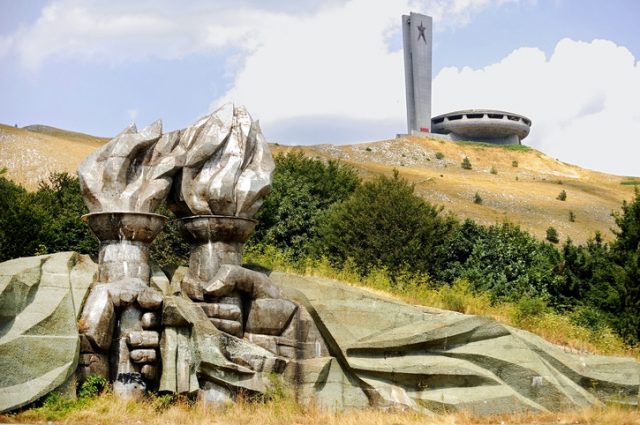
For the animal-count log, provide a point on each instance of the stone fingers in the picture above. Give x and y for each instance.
(143, 346)
(150, 320)
(98, 318)
(225, 314)
(222, 311)
(143, 339)
(124, 294)
(149, 299)
(232, 327)
(232, 277)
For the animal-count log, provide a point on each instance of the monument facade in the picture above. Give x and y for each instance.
(417, 37)
(474, 125)
(483, 125)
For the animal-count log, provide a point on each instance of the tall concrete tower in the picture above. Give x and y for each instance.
(417, 36)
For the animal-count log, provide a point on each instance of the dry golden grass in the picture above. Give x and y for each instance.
(106, 409)
(525, 195)
(31, 157)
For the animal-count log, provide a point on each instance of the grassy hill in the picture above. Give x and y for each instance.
(524, 194)
(515, 183)
(32, 153)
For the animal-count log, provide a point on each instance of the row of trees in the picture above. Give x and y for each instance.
(323, 209)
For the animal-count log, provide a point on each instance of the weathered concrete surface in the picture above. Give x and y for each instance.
(194, 352)
(341, 348)
(269, 316)
(418, 46)
(133, 172)
(483, 125)
(228, 166)
(433, 360)
(40, 301)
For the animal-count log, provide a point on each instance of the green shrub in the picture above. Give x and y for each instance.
(56, 407)
(384, 224)
(514, 163)
(162, 402)
(590, 318)
(477, 199)
(456, 297)
(493, 170)
(466, 163)
(302, 189)
(93, 386)
(502, 260)
(562, 196)
(631, 182)
(169, 250)
(572, 216)
(439, 155)
(552, 235)
(278, 390)
(529, 308)
(625, 255)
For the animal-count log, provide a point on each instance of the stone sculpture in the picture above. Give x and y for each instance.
(122, 183)
(217, 328)
(40, 299)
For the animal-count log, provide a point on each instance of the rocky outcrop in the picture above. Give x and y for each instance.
(40, 301)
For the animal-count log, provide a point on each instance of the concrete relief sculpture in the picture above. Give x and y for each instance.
(122, 183)
(216, 328)
(222, 170)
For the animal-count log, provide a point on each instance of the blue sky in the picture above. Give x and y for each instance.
(327, 71)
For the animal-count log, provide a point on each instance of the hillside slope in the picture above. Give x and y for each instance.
(32, 154)
(524, 194)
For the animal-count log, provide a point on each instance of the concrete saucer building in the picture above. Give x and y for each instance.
(483, 125)
(475, 125)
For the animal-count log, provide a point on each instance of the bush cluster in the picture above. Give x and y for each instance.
(44, 221)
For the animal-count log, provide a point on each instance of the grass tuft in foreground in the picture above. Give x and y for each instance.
(106, 409)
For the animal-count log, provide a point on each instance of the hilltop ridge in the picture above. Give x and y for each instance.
(515, 183)
(64, 134)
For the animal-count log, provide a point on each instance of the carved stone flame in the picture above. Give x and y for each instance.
(227, 169)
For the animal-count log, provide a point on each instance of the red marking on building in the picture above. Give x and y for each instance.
(424, 130)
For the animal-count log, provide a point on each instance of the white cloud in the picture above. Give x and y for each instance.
(582, 100)
(121, 30)
(336, 63)
(6, 44)
(310, 69)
